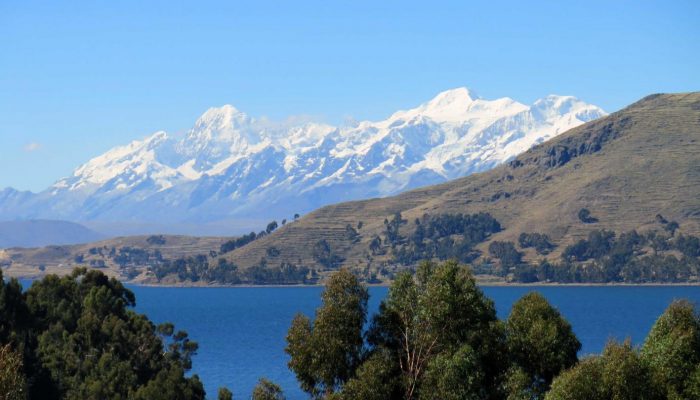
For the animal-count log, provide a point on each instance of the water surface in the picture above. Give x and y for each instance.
(241, 331)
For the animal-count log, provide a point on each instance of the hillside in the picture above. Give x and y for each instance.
(37, 233)
(625, 169)
(122, 257)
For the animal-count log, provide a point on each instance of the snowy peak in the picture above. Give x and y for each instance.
(453, 98)
(224, 118)
(554, 105)
(459, 106)
(138, 157)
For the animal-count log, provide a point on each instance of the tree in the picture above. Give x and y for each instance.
(267, 390)
(296, 217)
(375, 245)
(454, 376)
(325, 354)
(579, 383)
(672, 348)
(376, 379)
(618, 374)
(506, 253)
(584, 215)
(13, 384)
(323, 254)
(85, 341)
(540, 342)
(391, 230)
(671, 227)
(224, 394)
(439, 324)
(271, 227)
(351, 234)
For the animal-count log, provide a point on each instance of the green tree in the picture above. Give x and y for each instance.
(13, 384)
(672, 348)
(579, 383)
(271, 227)
(267, 390)
(428, 320)
(323, 254)
(618, 374)
(224, 394)
(325, 354)
(540, 342)
(87, 343)
(454, 376)
(378, 378)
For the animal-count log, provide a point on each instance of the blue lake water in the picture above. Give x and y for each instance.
(241, 331)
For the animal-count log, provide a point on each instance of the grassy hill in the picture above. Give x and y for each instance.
(625, 169)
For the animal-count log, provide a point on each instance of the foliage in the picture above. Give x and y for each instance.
(541, 242)
(618, 374)
(629, 257)
(267, 390)
(378, 378)
(440, 321)
(233, 244)
(80, 339)
(324, 255)
(444, 237)
(13, 385)
(392, 235)
(672, 348)
(198, 268)
(506, 253)
(540, 341)
(271, 227)
(351, 234)
(224, 394)
(584, 215)
(325, 354)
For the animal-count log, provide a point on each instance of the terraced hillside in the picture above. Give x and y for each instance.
(624, 169)
(123, 257)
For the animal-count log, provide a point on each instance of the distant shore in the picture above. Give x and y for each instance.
(480, 282)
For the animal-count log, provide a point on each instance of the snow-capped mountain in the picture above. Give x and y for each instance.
(231, 165)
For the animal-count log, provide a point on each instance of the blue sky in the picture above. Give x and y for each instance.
(79, 77)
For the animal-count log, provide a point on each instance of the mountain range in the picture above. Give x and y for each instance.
(636, 169)
(231, 166)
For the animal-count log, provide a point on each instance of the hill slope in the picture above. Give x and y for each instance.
(625, 168)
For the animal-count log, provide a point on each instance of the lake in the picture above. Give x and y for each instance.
(241, 331)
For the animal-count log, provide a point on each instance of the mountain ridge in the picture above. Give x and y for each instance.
(230, 165)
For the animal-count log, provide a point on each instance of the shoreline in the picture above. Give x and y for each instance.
(483, 283)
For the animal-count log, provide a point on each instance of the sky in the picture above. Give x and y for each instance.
(80, 77)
